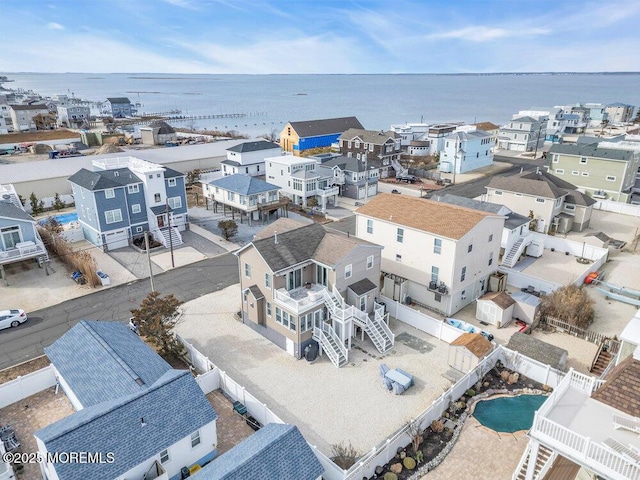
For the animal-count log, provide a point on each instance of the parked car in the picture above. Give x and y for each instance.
(406, 178)
(12, 318)
(359, 204)
(395, 191)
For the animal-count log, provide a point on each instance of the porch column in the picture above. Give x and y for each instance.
(533, 458)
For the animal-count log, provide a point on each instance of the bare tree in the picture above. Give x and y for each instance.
(156, 318)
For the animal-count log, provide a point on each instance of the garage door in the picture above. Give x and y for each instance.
(116, 239)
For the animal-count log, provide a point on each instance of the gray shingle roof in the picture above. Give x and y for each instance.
(103, 179)
(538, 350)
(163, 127)
(315, 128)
(369, 136)
(253, 146)
(525, 119)
(465, 136)
(363, 286)
(160, 209)
(243, 184)
(29, 107)
(255, 291)
(592, 150)
(105, 360)
(293, 247)
(9, 210)
(513, 220)
(172, 409)
(540, 184)
(119, 100)
(578, 198)
(345, 163)
(171, 173)
(276, 451)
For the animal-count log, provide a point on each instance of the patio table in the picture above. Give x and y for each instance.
(398, 377)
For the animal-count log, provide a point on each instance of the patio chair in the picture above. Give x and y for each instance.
(383, 369)
(388, 384)
(631, 424)
(531, 289)
(397, 388)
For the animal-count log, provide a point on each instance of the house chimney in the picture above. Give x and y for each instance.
(275, 238)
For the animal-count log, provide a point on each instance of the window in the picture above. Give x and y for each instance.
(463, 275)
(158, 175)
(560, 171)
(437, 246)
(498, 192)
(113, 216)
(247, 270)
(400, 235)
(490, 258)
(138, 229)
(518, 194)
(292, 323)
(195, 439)
(437, 297)
(172, 182)
(610, 178)
(267, 280)
(398, 258)
(435, 271)
(369, 262)
(583, 160)
(585, 174)
(347, 271)
(156, 198)
(369, 226)
(133, 189)
(164, 456)
(109, 193)
(490, 237)
(569, 207)
(539, 200)
(175, 203)
(10, 236)
(268, 309)
(575, 172)
(135, 208)
(470, 248)
(371, 147)
(278, 315)
(230, 196)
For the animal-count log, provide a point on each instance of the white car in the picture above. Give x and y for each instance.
(12, 318)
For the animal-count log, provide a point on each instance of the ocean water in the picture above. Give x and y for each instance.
(270, 101)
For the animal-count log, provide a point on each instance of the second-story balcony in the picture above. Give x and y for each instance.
(328, 191)
(23, 251)
(300, 299)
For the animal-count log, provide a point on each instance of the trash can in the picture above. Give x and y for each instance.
(184, 473)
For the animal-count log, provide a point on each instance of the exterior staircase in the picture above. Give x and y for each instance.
(511, 258)
(400, 170)
(604, 357)
(163, 234)
(545, 456)
(330, 343)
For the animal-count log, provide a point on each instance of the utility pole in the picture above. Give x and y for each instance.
(535, 154)
(173, 265)
(146, 245)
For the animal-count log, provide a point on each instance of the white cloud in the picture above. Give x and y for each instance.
(182, 4)
(484, 34)
(55, 26)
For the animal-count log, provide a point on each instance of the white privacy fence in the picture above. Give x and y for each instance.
(26, 385)
(618, 207)
(522, 280)
(577, 249)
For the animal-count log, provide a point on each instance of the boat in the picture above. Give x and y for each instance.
(619, 297)
(628, 292)
(467, 327)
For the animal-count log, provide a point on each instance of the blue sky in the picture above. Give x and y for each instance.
(319, 36)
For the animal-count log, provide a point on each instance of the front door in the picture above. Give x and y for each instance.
(290, 347)
(161, 221)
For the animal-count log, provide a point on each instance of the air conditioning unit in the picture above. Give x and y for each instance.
(442, 288)
(599, 194)
(433, 285)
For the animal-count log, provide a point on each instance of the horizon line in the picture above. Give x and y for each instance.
(620, 72)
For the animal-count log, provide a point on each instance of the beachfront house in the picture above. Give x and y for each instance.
(243, 195)
(124, 196)
(248, 157)
(378, 148)
(435, 254)
(355, 178)
(19, 238)
(298, 137)
(30, 117)
(276, 451)
(158, 133)
(466, 149)
(73, 116)
(523, 134)
(304, 181)
(551, 202)
(152, 419)
(120, 107)
(619, 113)
(603, 173)
(303, 282)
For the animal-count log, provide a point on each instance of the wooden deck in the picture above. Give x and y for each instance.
(562, 469)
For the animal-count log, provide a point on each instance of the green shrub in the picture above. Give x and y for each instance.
(390, 476)
(409, 463)
(470, 393)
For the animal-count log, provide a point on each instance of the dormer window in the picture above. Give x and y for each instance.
(109, 193)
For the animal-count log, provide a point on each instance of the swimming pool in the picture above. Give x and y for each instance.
(64, 218)
(508, 414)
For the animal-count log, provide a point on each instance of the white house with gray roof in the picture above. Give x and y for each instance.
(466, 150)
(355, 177)
(139, 417)
(523, 134)
(245, 195)
(248, 157)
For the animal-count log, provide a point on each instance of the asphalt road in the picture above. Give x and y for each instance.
(45, 326)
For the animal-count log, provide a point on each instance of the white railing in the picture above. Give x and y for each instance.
(523, 460)
(584, 383)
(313, 296)
(592, 454)
(323, 334)
(618, 207)
(26, 385)
(379, 317)
(22, 253)
(327, 192)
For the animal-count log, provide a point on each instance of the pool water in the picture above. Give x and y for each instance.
(65, 218)
(508, 414)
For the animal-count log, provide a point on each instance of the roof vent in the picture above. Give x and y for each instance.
(275, 238)
(142, 422)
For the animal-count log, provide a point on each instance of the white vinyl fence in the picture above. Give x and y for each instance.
(26, 385)
(618, 207)
(522, 280)
(577, 249)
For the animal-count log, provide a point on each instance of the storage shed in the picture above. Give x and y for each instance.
(526, 306)
(495, 308)
(466, 351)
(543, 352)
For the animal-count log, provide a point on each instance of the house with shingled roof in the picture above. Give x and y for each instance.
(304, 284)
(248, 157)
(589, 425)
(245, 196)
(298, 137)
(19, 238)
(276, 451)
(136, 415)
(123, 197)
(523, 134)
(466, 149)
(378, 148)
(435, 254)
(31, 117)
(555, 204)
(120, 107)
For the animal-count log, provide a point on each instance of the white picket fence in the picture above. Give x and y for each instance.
(26, 385)
(618, 207)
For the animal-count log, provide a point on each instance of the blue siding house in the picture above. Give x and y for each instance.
(143, 418)
(120, 107)
(124, 197)
(19, 239)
